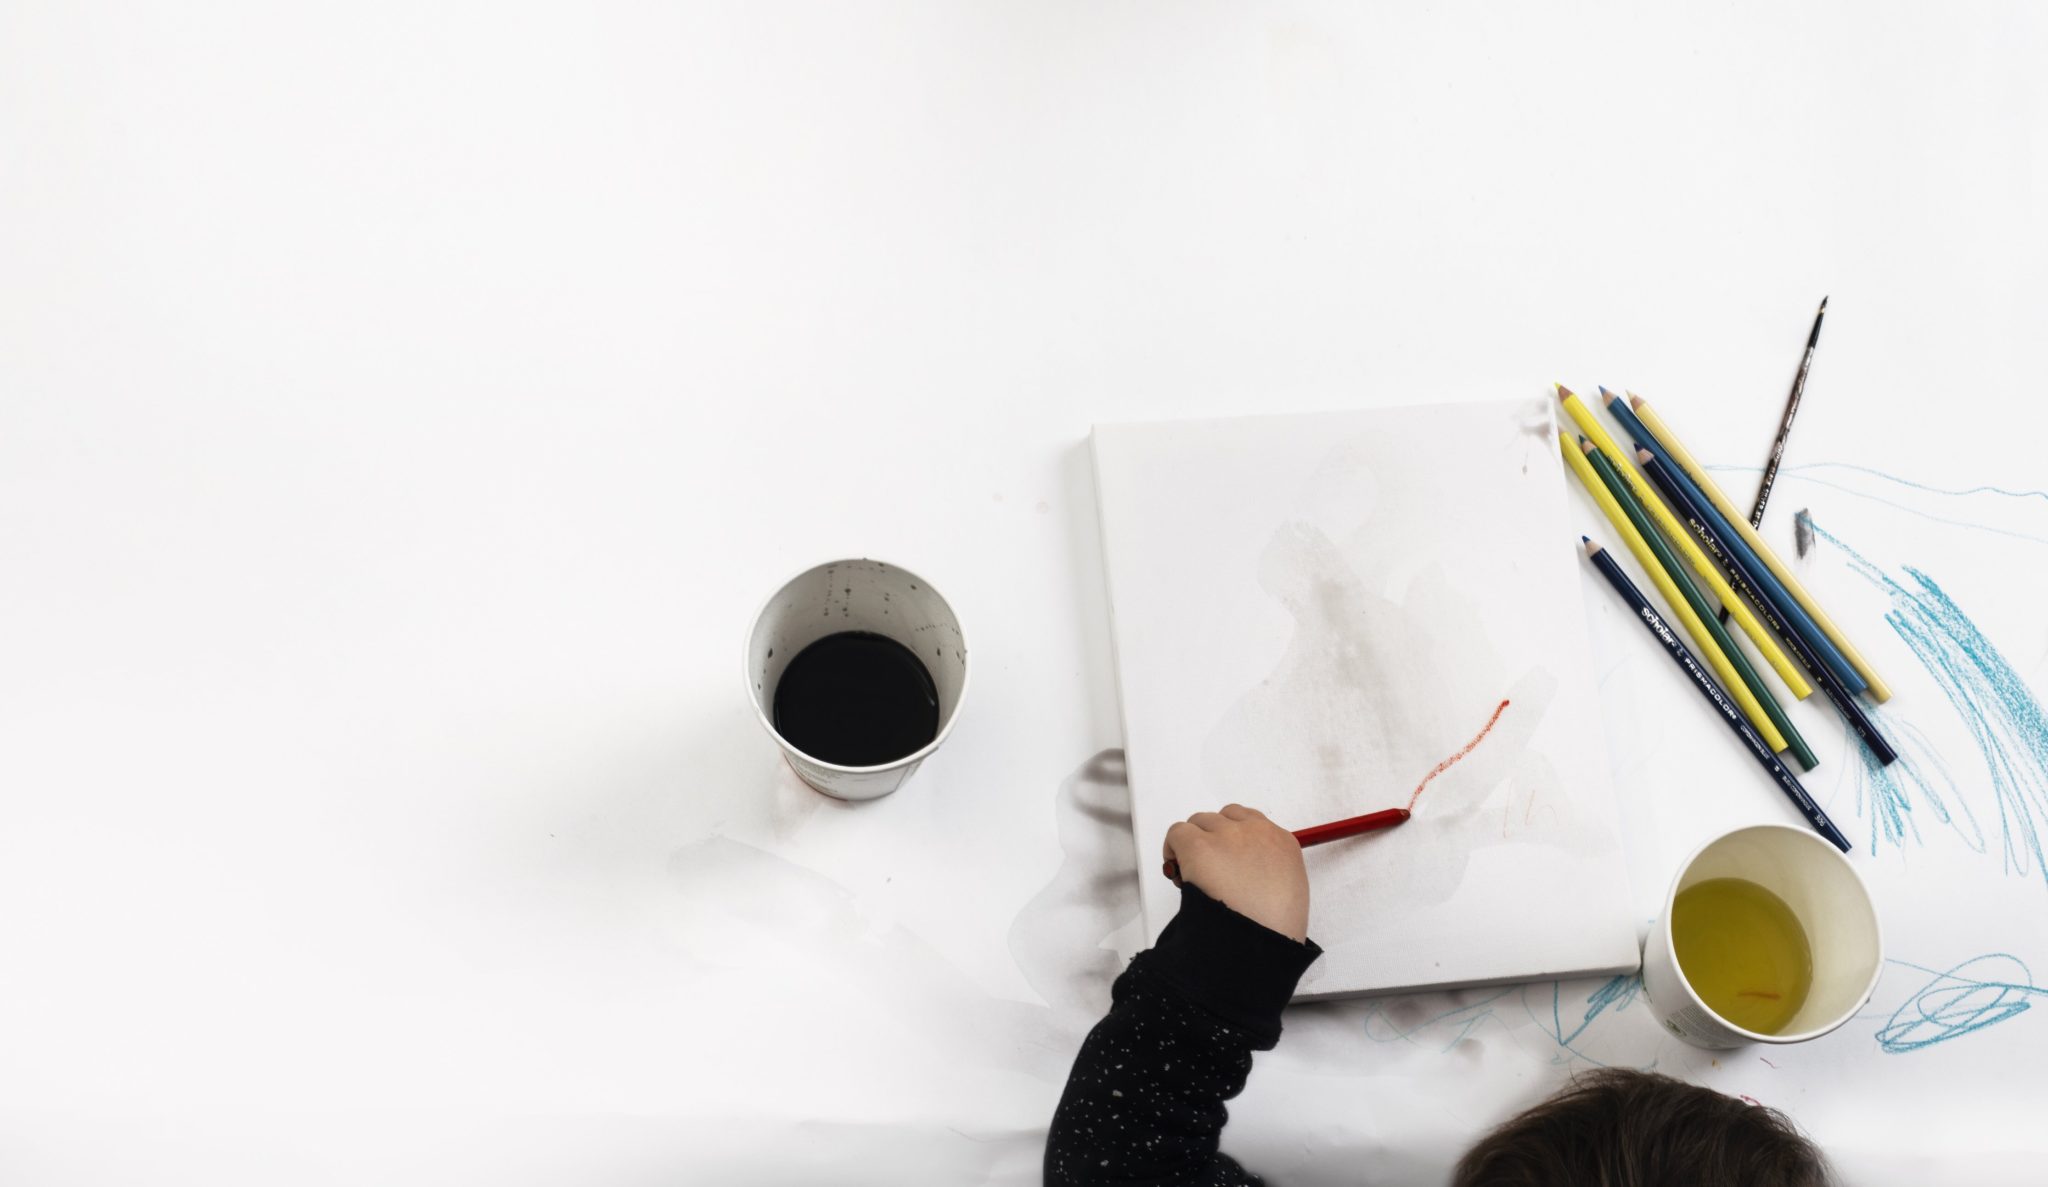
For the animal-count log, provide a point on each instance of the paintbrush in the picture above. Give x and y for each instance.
(1763, 490)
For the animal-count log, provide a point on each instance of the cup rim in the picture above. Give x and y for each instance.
(1876, 926)
(761, 714)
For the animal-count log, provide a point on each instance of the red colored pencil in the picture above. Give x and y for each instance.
(1336, 830)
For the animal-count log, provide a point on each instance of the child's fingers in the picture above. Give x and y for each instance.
(1209, 822)
(1180, 839)
(1240, 812)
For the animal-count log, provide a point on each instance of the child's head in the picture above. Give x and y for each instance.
(1618, 1128)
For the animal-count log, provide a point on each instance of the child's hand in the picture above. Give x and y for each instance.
(1246, 862)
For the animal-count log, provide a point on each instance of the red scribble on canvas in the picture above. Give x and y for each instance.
(1464, 750)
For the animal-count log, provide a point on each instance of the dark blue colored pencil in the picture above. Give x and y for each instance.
(1740, 576)
(1766, 583)
(1786, 780)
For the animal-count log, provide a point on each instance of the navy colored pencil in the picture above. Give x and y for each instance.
(1765, 582)
(1786, 780)
(1739, 574)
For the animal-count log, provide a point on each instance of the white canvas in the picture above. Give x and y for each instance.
(1311, 614)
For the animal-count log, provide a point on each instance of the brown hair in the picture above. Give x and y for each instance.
(1618, 1128)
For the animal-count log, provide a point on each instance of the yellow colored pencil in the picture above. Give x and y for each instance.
(1680, 609)
(1677, 533)
(1879, 691)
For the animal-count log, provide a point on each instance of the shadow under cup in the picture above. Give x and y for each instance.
(856, 595)
(1824, 893)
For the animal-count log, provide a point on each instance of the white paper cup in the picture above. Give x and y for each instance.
(1824, 893)
(856, 595)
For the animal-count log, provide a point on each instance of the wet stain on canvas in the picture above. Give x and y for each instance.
(1369, 686)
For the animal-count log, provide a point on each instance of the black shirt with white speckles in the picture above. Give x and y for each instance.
(1144, 1103)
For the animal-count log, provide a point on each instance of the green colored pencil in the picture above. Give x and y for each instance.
(1641, 519)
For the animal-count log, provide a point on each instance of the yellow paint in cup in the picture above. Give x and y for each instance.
(1767, 935)
(1743, 951)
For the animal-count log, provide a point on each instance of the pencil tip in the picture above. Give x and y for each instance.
(1585, 445)
(1606, 396)
(1823, 305)
(1585, 539)
(1642, 455)
(1634, 400)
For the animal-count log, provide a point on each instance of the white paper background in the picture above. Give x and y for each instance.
(406, 405)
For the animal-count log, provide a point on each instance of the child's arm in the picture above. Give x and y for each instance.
(1145, 1099)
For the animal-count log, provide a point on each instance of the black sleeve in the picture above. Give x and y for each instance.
(1144, 1103)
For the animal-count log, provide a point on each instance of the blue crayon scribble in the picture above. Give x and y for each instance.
(1994, 704)
(1461, 1020)
(1798, 472)
(1621, 990)
(1807, 467)
(1556, 1010)
(1982, 991)
(1919, 769)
